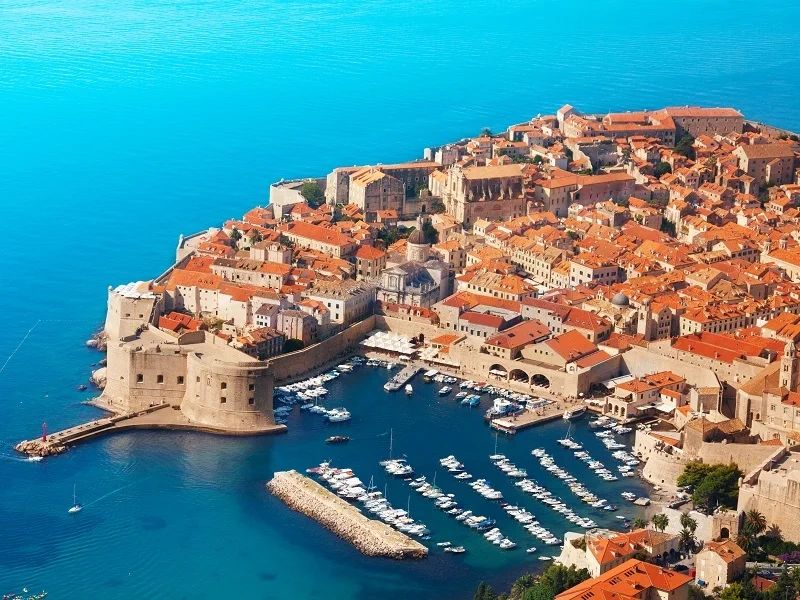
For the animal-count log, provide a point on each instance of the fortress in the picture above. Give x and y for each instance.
(212, 385)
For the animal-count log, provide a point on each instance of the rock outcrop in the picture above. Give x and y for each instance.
(371, 537)
(39, 448)
(98, 377)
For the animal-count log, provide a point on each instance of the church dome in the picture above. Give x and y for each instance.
(620, 299)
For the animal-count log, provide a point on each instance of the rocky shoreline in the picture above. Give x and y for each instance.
(370, 537)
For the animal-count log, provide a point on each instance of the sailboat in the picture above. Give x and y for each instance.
(383, 463)
(75, 506)
(496, 456)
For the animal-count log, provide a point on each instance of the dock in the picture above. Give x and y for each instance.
(160, 416)
(528, 418)
(371, 537)
(402, 378)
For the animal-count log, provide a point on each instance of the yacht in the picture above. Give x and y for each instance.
(409, 389)
(337, 415)
(574, 413)
(445, 390)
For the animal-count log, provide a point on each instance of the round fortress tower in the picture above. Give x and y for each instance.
(236, 396)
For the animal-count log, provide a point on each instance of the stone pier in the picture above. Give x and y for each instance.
(369, 536)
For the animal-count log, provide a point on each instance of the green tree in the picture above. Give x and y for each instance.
(484, 592)
(313, 193)
(755, 521)
(688, 523)
(639, 523)
(687, 541)
(486, 132)
(684, 146)
(522, 584)
(293, 344)
(712, 485)
(660, 521)
(235, 236)
(256, 236)
(662, 168)
(430, 233)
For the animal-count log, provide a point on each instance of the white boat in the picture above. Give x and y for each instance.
(337, 415)
(574, 413)
(409, 389)
(75, 506)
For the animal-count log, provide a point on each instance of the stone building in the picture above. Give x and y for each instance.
(491, 192)
(372, 190)
(348, 301)
(719, 563)
(771, 163)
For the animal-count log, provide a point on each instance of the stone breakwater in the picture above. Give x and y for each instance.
(371, 537)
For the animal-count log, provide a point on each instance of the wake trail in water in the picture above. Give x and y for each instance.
(21, 342)
(112, 492)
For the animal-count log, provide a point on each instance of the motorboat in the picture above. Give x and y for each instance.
(574, 413)
(337, 439)
(409, 390)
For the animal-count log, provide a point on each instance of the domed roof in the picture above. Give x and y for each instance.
(620, 299)
(416, 237)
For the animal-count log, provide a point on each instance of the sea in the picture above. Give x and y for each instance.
(124, 124)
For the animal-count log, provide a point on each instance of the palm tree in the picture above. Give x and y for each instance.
(755, 522)
(774, 532)
(688, 523)
(639, 523)
(687, 541)
(660, 521)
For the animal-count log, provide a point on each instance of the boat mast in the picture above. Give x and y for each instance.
(391, 441)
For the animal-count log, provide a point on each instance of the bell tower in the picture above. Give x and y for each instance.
(789, 366)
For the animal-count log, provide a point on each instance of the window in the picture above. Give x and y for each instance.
(159, 379)
(198, 379)
(139, 378)
(222, 399)
(251, 387)
(180, 379)
(223, 385)
(251, 401)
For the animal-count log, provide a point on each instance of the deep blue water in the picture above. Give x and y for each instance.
(124, 124)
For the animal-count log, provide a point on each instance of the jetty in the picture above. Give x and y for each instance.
(402, 378)
(159, 416)
(528, 418)
(369, 536)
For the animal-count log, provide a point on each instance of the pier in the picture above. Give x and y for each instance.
(160, 416)
(402, 378)
(370, 537)
(528, 418)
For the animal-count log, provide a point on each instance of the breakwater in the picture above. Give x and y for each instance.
(369, 536)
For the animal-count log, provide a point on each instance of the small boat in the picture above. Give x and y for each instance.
(76, 507)
(409, 389)
(574, 413)
(443, 544)
(545, 558)
(445, 390)
(337, 439)
(531, 550)
(455, 549)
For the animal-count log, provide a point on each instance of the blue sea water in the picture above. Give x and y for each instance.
(124, 124)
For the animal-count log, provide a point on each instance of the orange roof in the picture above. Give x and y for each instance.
(728, 550)
(571, 345)
(520, 335)
(369, 253)
(633, 579)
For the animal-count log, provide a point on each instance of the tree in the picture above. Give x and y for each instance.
(687, 541)
(522, 584)
(660, 521)
(639, 523)
(430, 232)
(755, 521)
(312, 193)
(684, 146)
(486, 132)
(688, 523)
(712, 485)
(484, 592)
(293, 344)
(662, 168)
(235, 236)
(537, 160)
(256, 236)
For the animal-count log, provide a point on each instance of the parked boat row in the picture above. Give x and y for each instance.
(344, 483)
(575, 486)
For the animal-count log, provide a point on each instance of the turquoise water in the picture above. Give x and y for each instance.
(127, 123)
